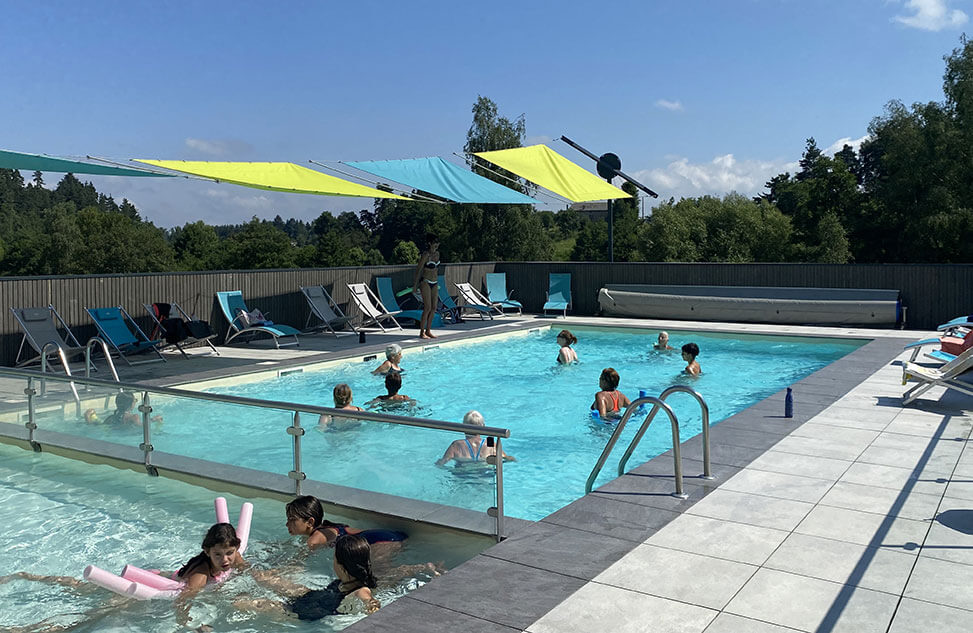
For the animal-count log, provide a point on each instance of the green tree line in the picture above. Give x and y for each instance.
(906, 195)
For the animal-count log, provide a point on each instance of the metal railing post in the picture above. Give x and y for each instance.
(297, 474)
(146, 446)
(31, 425)
(499, 490)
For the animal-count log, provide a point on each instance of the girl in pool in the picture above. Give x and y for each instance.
(566, 355)
(219, 557)
(342, 400)
(609, 402)
(473, 448)
(393, 356)
(305, 517)
(393, 382)
(426, 282)
(662, 344)
(689, 353)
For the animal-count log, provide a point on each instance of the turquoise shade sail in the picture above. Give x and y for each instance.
(444, 179)
(39, 162)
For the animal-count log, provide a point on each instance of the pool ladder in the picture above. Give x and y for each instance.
(658, 403)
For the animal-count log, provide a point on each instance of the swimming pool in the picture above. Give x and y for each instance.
(60, 515)
(514, 382)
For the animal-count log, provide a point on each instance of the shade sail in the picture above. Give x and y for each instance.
(272, 177)
(545, 167)
(444, 179)
(39, 162)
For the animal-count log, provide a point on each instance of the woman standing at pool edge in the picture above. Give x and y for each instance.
(426, 283)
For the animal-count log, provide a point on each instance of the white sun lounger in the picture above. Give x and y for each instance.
(473, 299)
(373, 311)
(945, 376)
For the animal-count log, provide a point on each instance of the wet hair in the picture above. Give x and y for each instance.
(124, 401)
(342, 395)
(352, 552)
(567, 336)
(393, 382)
(219, 534)
(393, 350)
(691, 348)
(610, 378)
(430, 238)
(306, 507)
(474, 417)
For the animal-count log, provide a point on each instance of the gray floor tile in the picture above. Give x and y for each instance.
(878, 414)
(942, 582)
(783, 486)
(850, 422)
(915, 505)
(818, 447)
(560, 549)
(914, 616)
(895, 478)
(808, 603)
(928, 428)
(842, 562)
(780, 514)
(804, 465)
(960, 488)
(499, 591)
(691, 578)
(742, 437)
(649, 491)
(720, 539)
(852, 437)
(619, 519)
(729, 623)
(692, 470)
(727, 454)
(923, 464)
(407, 614)
(863, 528)
(597, 607)
(951, 534)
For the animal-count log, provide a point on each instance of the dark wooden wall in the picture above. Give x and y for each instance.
(933, 292)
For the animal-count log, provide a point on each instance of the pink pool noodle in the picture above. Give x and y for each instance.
(150, 579)
(124, 587)
(222, 514)
(243, 525)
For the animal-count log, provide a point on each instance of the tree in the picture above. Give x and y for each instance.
(260, 245)
(405, 252)
(197, 247)
(489, 132)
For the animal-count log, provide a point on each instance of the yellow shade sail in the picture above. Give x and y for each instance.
(543, 166)
(273, 177)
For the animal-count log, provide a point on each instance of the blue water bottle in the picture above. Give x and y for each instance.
(789, 404)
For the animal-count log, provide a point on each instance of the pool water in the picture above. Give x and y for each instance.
(60, 515)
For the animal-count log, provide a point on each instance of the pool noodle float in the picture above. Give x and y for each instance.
(143, 584)
(404, 292)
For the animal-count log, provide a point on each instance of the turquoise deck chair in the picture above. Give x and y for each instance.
(496, 284)
(232, 304)
(559, 293)
(123, 335)
(387, 296)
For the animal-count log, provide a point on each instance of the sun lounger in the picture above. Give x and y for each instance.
(373, 311)
(950, 345)
(387, 295)
(559, 293)
(497, 292)
(177, 328)
(945, 376)
(40, 326)
(123, 334)
(447, 305)
(236, 312)
(473, 300)
(324, 308)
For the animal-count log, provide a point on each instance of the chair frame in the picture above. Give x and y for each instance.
(130, 323)
(567, 303)
(235, 330)
(340, 317)
(473, 300)
(506, 302)
(946, 376)
(372, 309)
(74, 349)
(182, 314)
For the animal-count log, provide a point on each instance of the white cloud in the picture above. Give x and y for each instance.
(682, 178)
(672, 106)
(932, 15)
(218, 147)
(836, 147)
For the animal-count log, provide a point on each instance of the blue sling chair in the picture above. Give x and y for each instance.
(235, 311)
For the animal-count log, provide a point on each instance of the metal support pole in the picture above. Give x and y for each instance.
(499, 490)
(31, 425)
(611, 232)
(146, 446)
(296, 432)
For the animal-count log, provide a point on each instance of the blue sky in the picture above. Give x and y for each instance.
(695, 96)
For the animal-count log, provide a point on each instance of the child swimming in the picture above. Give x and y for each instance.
(393, 356)
(124, 402)
(305, 517)
(566, 355)
(689, 353)
(609, 402)
(219, 557)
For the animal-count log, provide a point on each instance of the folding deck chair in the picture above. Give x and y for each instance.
(559, 293)
(373, 311)
(40, 326)
(496, 284)
(447, 306)
(945, 376)
(123, 334)
(236, 312)
(177, 328)
(473, 300)
(325, 309)
(387, 295)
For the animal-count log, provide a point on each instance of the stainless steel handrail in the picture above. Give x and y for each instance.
(95, 340)
(632, 408)
(648, 420)
(67, 370)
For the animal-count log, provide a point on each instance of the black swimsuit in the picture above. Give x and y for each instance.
(376, 535)
(318, 603)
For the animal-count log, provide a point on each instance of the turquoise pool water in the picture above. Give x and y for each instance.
(60, 515)
(514, 382)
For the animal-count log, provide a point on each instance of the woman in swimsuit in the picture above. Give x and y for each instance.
(609, 402)
(472, 448)
(566, 355)
(305, 517)
(342, 400)
(427, 283)
(393, 356)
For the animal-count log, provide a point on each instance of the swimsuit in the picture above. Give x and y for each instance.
(614, 396)
(375, 535)
(474, 457)
(432, 264)
(318, 603)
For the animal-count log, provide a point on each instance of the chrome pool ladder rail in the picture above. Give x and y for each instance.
(55, 348)
(88, 363)
(658, 403)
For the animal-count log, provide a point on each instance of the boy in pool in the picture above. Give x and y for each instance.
(393, 382)
(689, 353)
(393, 356)
(609, 402)
(662, 344)
(566, 355)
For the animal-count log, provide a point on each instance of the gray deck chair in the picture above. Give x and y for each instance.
(195, 331)
(40, 326)
(325, 309)
(373, 311)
